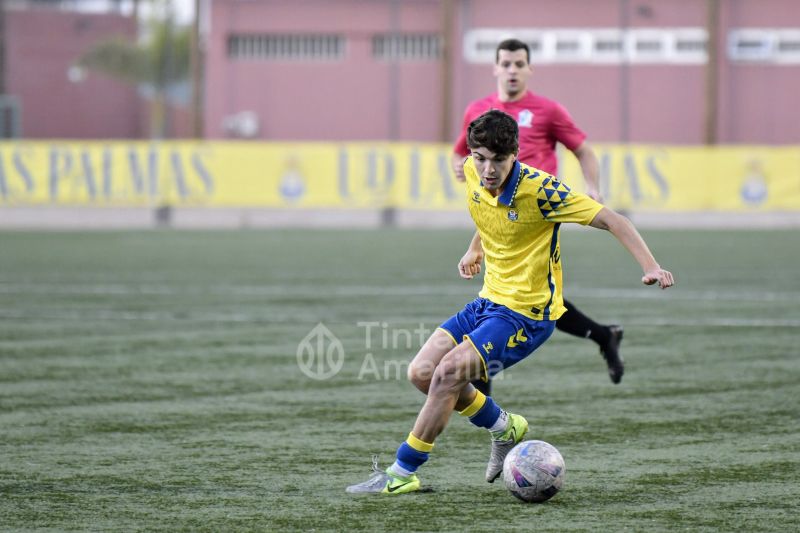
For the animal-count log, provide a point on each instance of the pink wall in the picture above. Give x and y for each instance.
(41, 46)
(322, 100)
(360, 98)
(758, 103)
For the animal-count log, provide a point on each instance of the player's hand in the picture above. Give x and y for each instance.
(470, 264)
(458, 170)
(659, 275)
(458, 167)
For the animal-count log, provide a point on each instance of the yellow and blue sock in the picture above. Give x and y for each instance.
(410, 456)
(484, 413)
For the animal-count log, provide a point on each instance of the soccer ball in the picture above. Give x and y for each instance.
(534, 471)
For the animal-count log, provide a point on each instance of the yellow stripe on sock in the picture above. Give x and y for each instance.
(419, 445)
(475, 406)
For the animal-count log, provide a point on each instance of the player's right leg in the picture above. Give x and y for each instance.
(446, 337)
(385, 482)
(450, 377)
(423, 366)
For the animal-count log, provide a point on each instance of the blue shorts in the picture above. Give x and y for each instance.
(501, 337)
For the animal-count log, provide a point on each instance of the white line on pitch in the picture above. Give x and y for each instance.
(360, 291)
(184, 317)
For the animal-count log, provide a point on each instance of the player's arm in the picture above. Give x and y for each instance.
(460, 148)
(458, 166)
(591, 170)
(570, 135)
(626, 233)
(470, 264)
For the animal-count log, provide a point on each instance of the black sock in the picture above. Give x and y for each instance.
(576, 323)
(483, 386)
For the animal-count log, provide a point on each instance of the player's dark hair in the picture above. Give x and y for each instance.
(494, 130)
(512, 45)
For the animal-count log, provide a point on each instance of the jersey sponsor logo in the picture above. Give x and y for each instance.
(488, 347)
(513, 216)
(476, 197)
(525, 118)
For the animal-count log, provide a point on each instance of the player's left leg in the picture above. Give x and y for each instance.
(503, 340)
(574, 322)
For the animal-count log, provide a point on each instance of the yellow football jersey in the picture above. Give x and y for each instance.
(519, 231)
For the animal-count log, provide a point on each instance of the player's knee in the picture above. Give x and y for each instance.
(420, 375)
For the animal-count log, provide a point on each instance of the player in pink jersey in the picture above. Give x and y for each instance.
(542, 123)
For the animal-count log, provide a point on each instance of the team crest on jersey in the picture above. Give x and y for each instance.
(513, 215)
(525, 118)
(476, 197)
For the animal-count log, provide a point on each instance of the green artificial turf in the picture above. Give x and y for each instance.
(150, 381)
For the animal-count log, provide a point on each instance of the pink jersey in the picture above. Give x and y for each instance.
(542, 123)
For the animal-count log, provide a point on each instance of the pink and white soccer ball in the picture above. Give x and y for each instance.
(534, 471)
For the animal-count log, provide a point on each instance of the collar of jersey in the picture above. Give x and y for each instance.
(507, 198)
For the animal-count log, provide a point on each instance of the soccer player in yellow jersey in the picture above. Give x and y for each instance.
(518, 211)
(543, 123)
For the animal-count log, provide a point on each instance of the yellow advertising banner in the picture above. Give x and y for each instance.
(374, 175)
(682, 178)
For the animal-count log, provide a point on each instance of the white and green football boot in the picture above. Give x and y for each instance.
(504, 443)
(385, 482)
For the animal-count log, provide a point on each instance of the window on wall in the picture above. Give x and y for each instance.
(688, 45)
(788, 47)
(608, 46)
(646, 46)
(406, 47)
(594, 45)
(568, 46)
(285, 47)
(764, 45)
(749, 46)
